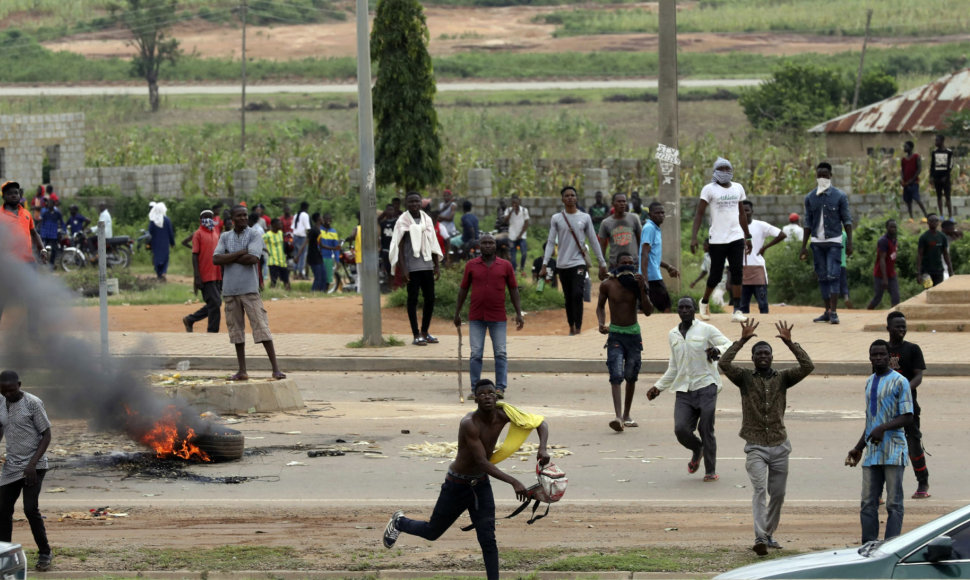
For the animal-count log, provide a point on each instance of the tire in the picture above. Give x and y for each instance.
(71, 260)
(122, 257)
(223, 445)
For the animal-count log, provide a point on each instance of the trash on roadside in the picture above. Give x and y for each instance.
(57, 490)
(295, 463)
(405, 431)
(182, 366)
(325, 453)
(670, 529)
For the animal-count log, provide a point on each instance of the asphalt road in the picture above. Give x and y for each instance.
(233, 89)
(643, 465)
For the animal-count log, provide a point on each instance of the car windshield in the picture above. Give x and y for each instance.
(903, 542)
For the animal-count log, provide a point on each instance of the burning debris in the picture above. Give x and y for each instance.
(168, 436)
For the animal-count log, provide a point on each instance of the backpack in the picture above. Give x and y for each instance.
(550, 488)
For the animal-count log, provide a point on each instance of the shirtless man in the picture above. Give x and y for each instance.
(623, 289)
(467, 485)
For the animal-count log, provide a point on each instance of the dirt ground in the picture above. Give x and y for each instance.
(461, 29)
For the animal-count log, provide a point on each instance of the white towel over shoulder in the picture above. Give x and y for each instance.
(424, 242)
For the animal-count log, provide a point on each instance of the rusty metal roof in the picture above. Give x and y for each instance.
(918, 110)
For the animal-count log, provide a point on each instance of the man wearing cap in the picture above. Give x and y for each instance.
(20, 238)
(207, 276)
(793, 231)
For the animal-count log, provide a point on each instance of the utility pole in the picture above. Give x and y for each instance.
(242, 142)
(862, 58)
(668, 153)
(371, 291)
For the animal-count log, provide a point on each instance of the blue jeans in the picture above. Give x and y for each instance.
(298, 242)
(760, 294)
(453, 500)
(523, 245)
(827, 258)
(476, 337)
(873, 479)
(319, 278)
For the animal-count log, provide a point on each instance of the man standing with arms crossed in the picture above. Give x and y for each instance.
(651, 250)
(207, 276)
(694, 348)
(906, 359)
(624, 289)
(826, 214)
(764, 394)
(488, 276)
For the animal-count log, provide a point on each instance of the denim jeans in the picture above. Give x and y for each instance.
(319, 278)
(523, 245)
(873, 478)
(453, 500)
(476, 338)
(760, 294)
(827, 258)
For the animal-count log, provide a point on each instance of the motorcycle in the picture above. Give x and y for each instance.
(346, 271)
(79, 250)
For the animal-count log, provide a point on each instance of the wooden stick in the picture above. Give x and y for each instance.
(461, 397)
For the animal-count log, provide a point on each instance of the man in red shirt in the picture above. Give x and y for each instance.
(488, 276)
(17, 232)
(208, 276)
(884, 272)
(911, 166)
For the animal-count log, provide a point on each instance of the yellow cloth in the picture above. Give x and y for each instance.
(358, 248)
(520, 425)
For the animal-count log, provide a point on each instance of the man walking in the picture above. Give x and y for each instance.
(940, 170)
(826, 215)
(651, 251)
(884, 272)
(932, 253)
(27, 429)
(415, 250)
(694, 348)
(755, 275)
(517, 218)
(572, 230)
(911, 165)
(764, 394)
(207, 277)
(51, 226)
(906, 359)
(467, 485)
(624, 290)
(619, 233)
(238, 253)
(889, 409)
(488, 276)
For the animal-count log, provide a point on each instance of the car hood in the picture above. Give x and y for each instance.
(845, 563)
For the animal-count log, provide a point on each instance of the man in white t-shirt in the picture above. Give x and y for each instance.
(755, 275)
(301, 225)
(794, 230)
(517, 218)
(729, 236)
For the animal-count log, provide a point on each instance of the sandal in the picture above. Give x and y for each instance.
(921, 495)
(420, 341)
(430, 339)
(616, 425)
(238, 377)
(279, 376)
(630, 423)
(693, 466)
(711, 477)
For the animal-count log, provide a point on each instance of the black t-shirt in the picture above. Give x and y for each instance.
(906, 359)
(313, 255)
(387, 232)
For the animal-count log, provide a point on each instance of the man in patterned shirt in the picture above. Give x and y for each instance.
(28, 432)
(889, 409)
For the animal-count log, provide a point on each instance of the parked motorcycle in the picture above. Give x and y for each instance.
(346, 271)
(79, 250)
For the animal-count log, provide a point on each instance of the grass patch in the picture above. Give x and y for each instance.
(385, 342)
(224, 558)
(668, 559)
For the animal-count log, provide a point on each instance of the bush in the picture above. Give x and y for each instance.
(795, 97)
(85, 281)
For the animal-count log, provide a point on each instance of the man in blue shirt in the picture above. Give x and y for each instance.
(469, 226)
(76, 222)
(889, 409)
(826, 214)
(51, 226)
(651, 249)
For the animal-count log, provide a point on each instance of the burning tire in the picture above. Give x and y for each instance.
(224, 445)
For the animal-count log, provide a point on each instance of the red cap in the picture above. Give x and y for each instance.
(793, 217)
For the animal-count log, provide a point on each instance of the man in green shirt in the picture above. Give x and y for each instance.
(273, 241)
(932, 250)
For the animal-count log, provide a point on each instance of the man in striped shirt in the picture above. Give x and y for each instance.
(889, 409)
(273, 240)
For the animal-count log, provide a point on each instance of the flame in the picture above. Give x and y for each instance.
(167, 439)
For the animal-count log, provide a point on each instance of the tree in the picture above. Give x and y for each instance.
(407, 146)
(876, 85)
(148, 21)
(794, 98)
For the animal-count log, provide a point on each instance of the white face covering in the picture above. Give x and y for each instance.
(823, 184)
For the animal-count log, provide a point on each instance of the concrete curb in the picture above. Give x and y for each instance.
(349, 574)
(518, 365)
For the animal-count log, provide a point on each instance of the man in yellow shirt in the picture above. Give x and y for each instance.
(273, 240)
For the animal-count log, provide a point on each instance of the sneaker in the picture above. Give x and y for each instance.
(772, 543)
(499, 394)
(760, 547)
(833, 318)
(705, 311)
(823, 318)
(738, 316)
(44, 562)
(187, 323)
(391, 532)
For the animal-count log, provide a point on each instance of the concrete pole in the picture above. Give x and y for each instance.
(862, 59)
(103, 290)
(371, 291)
(242, 141)
(668, 154)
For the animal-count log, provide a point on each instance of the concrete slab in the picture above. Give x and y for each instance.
(237, 398)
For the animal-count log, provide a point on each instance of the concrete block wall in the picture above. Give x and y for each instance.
(163, 181)
(24, 139)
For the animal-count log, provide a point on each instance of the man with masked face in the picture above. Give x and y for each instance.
(729, 236)
(764, 394)
(624, 290)
(207, 276)
(826, 215)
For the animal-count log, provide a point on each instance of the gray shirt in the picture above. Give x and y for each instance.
(623, 235)
(415, 264)
(238, 278)
(570, 254)
(23, 424)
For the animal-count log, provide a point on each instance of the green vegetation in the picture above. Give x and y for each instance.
(892, 18)
(385, 341)
(149, 21)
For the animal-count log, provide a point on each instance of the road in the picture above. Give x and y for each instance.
(139, 89)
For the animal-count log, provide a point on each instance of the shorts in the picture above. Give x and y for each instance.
(659, 297)
(942, 186)
(237, 309)
(623, 357)
(911, 193)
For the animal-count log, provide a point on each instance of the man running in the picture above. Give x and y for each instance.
(764, 393)
(906, 359)
(623, 289)
(467, 485)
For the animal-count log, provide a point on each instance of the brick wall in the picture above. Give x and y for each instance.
(163, 181)
(25, 139)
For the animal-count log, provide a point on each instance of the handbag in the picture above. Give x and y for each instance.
(582, 248)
